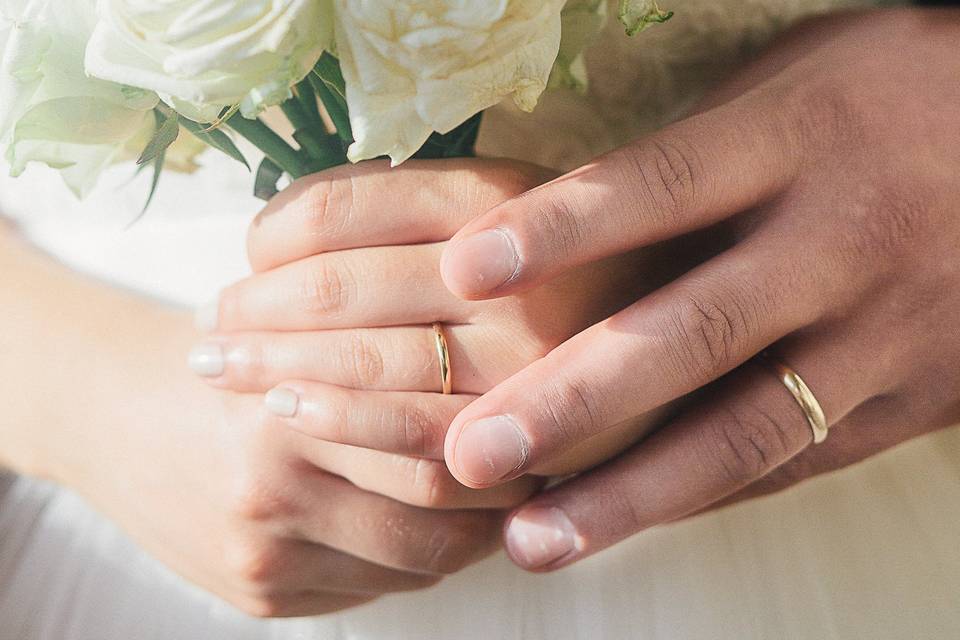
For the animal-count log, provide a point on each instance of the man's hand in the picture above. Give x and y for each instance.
(833, 164)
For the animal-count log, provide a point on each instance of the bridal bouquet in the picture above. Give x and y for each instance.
(88, 83)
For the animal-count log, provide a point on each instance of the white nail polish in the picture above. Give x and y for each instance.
(207, 360)
(207, 317)
(283, 403)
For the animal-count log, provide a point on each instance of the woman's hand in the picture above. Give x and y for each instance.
(277, 523)
(273, 521)
(833, 162)
(337, 319)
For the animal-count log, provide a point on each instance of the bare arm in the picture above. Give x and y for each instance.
(95, 395)
(78, 360)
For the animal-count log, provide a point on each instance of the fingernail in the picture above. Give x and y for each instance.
(540, 535)
(481, 262)
(207, 360)
(282, 403)
(491, 449)
(207, 317)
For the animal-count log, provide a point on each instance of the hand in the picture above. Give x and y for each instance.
(337, 319)
(277, 523)
(832, 164)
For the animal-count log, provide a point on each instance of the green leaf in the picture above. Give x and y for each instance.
(327, 80)
(272, 145)
(308, 98)
(168, 129)
(157, 164)
(328, 70)
(637, 15)
(216, 139)
(459, 143)
(268, 175)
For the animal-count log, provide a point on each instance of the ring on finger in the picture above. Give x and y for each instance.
(443, 355)
(808, 402)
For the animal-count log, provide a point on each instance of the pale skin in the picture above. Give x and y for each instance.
(263, 513)
(830, 167)
(276, 523)
(332, 378)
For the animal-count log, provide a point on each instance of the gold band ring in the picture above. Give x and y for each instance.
(443, 354)
(801, 392)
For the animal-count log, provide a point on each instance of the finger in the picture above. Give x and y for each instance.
(418, 482)
(371, 204)
(672, 342)
(748, 426)
(689, 176)
(293, 567)
(389, 533)
(861, 434)
(383, 359)
(360, 287)
(407, 423)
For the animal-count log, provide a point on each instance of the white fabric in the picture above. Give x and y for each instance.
(869, 552)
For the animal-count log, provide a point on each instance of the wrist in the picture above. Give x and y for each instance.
(144, 394)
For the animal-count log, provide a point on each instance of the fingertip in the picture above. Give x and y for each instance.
(282, 402)
(488, 451)
(481, 264)
(542, 538)
(207, 360)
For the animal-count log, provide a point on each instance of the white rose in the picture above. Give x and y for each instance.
(413, 67)
(50, 110)
(204, 56)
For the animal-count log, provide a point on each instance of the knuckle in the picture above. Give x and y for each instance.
(329, 206)
(555, 220)
(748, 442)
(706, 332)
(824, 114)
(449, 549)
(258, 500)
(573, 411)
(435, 486)
(888, 223)
(324, 290)
(669, 173)
(417, 429)
(363, 360)
(248, 363)
(256, 564)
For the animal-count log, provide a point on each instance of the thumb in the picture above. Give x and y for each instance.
(686, 177)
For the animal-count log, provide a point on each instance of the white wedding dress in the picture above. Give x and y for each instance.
(870, 552)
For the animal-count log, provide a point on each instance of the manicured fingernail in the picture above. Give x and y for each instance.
(283, 403)
(490, 450)
(207, 360)
(540, 535)
(207, 317)
(481, 262)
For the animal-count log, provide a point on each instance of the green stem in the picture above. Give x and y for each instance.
(308, 98)
(336, 108)
(305, 133)
(272, 145)
(295, 113)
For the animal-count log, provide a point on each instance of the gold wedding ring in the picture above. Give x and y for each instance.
(804, 397)
(443, 354)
